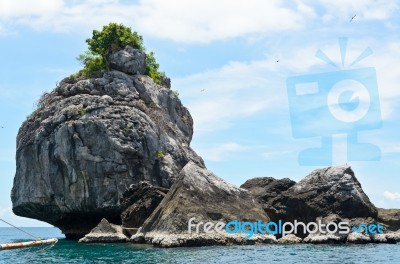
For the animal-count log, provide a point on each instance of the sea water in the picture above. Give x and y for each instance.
(72, 252)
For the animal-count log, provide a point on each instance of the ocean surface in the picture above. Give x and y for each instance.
(72, 252)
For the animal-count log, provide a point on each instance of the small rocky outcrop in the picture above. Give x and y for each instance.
(105, 232)
(129, 60)
(390, 218)
(358, 238)
(393, 237)
(325, 236)
(139, 202)
(197, 193)
(332, 190)
(289, 239)
(92, 138)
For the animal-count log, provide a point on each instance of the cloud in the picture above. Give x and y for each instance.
(234, 91)
(394, 196)
(243, 89)
(220, 152)
(276, 153)
(5, 211)
(206, 20)
(61, 15)
(364, 9)
(181, 21)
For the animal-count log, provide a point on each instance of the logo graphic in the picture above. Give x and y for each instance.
(280, 227)
(339, 102)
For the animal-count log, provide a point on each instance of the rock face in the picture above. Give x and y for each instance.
(358, 238)
(390, 217)
(266, 190)
(92, 138)
(139, 202)
(129, 60)
(289, 239)
(332, 190)
(199, 194)
(105, 232)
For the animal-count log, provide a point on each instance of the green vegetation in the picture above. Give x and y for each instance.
(82, 111)
(111, 38)
(160, 154)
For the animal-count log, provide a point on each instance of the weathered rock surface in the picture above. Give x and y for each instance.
(139, 202)
(324, 239)
(358, 238)
(105, 232)
(199, 194)
(129, 60)
(389, 217)
(92, 138)
(378, 238)
(325, 235)
(266, 190)
(332, 190)
(393, 237)
(289, 239)
(362, 238)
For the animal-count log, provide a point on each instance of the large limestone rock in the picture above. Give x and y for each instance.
(332, 190)
(105, 232)
(199, 194)
(90, 139)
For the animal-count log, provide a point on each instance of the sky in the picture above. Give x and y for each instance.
(229, 61)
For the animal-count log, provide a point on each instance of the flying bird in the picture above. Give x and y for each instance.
(352, 18)
(202, 90)
(277, 60)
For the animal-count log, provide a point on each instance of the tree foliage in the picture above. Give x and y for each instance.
(111, 38)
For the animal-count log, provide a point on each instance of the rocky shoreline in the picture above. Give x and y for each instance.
(167, 226)
(108, 159)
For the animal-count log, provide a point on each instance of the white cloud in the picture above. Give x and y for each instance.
(220, 152)
(276, 153)
(183, 21)
(364, 9)
(242, 89)
(5, 211)
(233, 91)
(394, 196)
(206, 20)
(19, 8)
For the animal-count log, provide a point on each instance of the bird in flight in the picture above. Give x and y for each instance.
(202, 90)
(277, 60)
(352, 18)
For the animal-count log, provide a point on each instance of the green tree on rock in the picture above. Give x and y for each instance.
(111, 38)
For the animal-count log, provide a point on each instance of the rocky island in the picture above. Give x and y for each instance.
(113, 150)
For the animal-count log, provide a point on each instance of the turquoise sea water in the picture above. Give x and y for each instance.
(72, 252)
